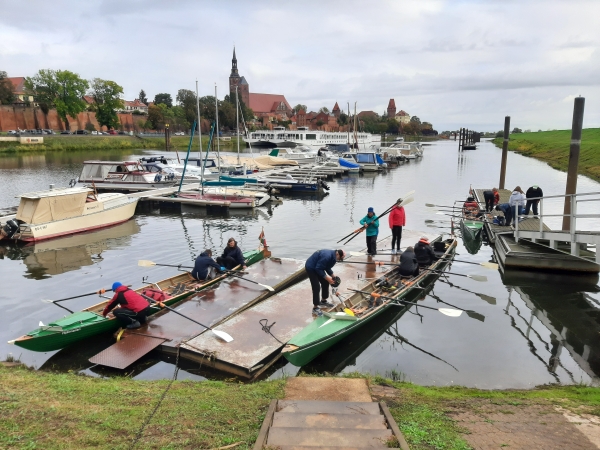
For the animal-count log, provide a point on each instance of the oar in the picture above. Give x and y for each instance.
(146, 263)
(472, 314)
(99, 292)
(487, 265)
(487, 298)
(221, 334)
(446, 311)
(473, 277)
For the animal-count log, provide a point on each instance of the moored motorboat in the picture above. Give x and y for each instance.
(336, 324)
(235, 201)
(90, 321)
(64, 211)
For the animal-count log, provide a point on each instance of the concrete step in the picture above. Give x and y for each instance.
(318, 437)
(325, 407)
(351, 421)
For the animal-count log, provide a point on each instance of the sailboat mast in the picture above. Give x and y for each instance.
(237, 122)
(199, 134)
(218, 133)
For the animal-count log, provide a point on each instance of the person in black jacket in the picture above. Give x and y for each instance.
(424, 253)
(409, 266)
(205, 268)
(232, 256)
(532, 192)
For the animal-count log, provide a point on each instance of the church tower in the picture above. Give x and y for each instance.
(236, 80)
(391, 109)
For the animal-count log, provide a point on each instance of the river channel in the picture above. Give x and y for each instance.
(524, 329)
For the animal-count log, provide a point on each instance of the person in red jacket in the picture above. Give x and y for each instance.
(397, 221)
(133, 307)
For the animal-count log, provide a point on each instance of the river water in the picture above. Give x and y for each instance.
(524, 329)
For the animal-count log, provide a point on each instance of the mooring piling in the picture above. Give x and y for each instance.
(504, 152)
(573, 161)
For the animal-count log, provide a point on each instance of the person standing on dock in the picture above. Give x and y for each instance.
(492, 198)
(205, 268)
(532, 192)
(517, 198)
(318, 267)
(133, 308)
(232, 256)
(397, 220)
(371, 224)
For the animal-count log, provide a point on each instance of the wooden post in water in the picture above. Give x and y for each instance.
(504, 152)
(573, 159)
(167, 138)
(459, 138)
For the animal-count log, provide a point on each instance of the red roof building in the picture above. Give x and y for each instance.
(19, 89)
(269, 103)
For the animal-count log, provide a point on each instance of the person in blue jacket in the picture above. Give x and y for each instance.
(371, 224)
(232, 256)
(318, 267)
(205, 268)
(508, 212)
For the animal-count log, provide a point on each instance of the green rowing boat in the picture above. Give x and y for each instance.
(90, 321)
(335, 324)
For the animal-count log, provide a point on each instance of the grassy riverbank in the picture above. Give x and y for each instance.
(553, 148)
(78, 143)
(66, 411)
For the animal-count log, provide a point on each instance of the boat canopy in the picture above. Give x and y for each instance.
(345, 163)
(47, 206)
(365, 158)
(101, 169)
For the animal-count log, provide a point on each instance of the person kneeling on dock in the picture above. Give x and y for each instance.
(133, 307)
(424, 253)
(409, 266)
(318, 267)
(232, 256)
(205, 268)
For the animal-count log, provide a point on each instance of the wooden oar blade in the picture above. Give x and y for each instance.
(478, 277)
(450, 312)
(475, 315)
(487, 298)
(267, 287)
(406, 201)
(223, 335)
(47, 301)
(489, 265)
(146, 263)
(357, 254)
(430, 205)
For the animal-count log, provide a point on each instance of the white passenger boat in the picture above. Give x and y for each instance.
(302, 154)
(60, 212)
(280, 137)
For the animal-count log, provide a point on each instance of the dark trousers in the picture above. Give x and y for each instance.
(320, 287)
(396, 236)
(413, 274)
(127, 317)
(227, 262)
(489, 200)
(372, 245)
(532, 204)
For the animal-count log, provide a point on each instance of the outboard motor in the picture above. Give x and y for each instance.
(323, 185)
(10, 228)
(73, 182)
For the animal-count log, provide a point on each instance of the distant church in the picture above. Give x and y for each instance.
(263, 105)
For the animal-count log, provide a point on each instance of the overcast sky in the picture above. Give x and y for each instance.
(452, 63)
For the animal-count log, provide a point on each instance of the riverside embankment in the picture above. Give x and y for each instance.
(68, 411)
(89, 142)
(553, 147)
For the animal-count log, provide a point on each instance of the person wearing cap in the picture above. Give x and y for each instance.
(397, 220)
(491, 198)
(471, 209)
(318, 267)
(133, 308)
(232, 256)
(371, 224)
(423, 252)
(205, 268)
(533, 192)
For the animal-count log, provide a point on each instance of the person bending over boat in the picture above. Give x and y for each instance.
(232, 256)
(409, 266)
(205, 268)
(424, 253)
(397, 221)
(492, 198)
(133, 308)
(318, 267)
(371, 223)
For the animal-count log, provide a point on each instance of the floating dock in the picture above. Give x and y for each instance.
(254, 349)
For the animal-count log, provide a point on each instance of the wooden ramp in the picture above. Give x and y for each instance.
(310, 424)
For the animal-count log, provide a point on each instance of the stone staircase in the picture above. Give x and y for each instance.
(311, 424)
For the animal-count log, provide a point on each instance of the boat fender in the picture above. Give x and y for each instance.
(10, 228)
(336, 281)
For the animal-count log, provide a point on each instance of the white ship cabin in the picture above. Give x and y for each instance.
(100, 170)
(303, 134)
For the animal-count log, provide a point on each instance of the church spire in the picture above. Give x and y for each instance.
(234, 69)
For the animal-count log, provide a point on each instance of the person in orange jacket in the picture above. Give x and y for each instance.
(397, 220)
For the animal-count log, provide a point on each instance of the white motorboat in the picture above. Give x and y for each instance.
(301, 154)
(125, 175)
(60, 212)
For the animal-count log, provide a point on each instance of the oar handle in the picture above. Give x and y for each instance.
(162, 305)
(99, 292)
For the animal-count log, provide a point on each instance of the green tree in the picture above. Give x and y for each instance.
(343, 119)
(324, 109)
(90, 126)
(60, 89)
(107, 96)
(415, 120)
(142, 97)
(7, 94)
(298, 107)
(186, 100)
(164, 99)
(245, 111)
(517, 130)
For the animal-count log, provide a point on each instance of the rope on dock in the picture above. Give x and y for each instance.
(267, 328)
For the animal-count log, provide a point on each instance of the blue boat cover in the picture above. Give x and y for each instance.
(246, 180)
(224, 183)
(345, 163)
(379, 160)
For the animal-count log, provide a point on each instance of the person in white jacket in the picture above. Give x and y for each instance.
(518, 198)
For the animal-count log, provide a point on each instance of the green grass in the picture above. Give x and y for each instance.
(553, 148)
(77, 143)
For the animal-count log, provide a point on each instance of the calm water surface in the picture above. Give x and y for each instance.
(524, 330)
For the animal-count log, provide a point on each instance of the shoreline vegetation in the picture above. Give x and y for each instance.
(553, 147)
(69, 411)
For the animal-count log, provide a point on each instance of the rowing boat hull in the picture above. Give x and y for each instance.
(472, 233)
(325, 331)
(90, 322)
